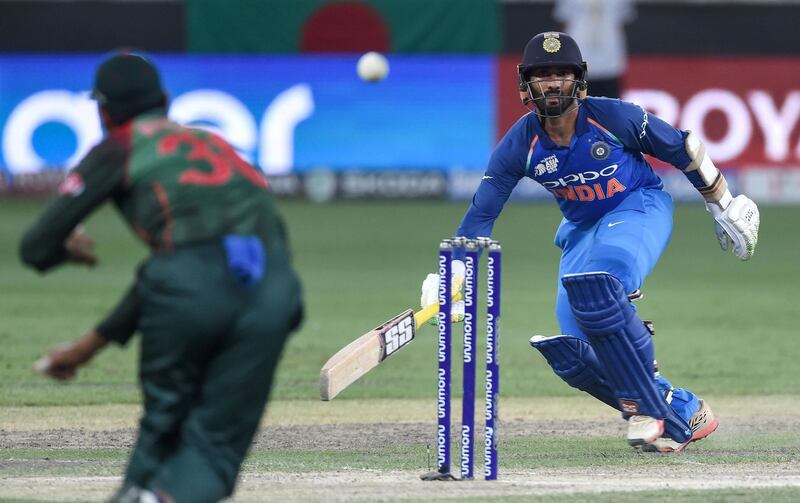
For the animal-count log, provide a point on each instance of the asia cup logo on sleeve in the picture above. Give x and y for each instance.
(548, 165)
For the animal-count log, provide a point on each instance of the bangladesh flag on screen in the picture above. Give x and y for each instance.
(287, 26)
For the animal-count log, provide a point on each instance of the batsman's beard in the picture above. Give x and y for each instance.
(537, 101)
(565, 104)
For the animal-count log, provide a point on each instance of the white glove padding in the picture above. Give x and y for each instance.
(430, 291)
(737, 225)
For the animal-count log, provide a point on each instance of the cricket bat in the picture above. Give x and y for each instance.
(366, 352)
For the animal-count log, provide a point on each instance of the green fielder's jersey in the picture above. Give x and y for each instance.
(186, 185)
(173, 185)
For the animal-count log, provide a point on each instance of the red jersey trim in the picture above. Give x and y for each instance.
(123, 134)
(166, 212)
(600, 126)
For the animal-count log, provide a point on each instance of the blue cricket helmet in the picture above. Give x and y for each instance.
(552, 48)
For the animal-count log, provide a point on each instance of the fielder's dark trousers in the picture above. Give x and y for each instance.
(209, 351)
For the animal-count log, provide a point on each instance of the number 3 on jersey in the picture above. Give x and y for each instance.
(218, 154)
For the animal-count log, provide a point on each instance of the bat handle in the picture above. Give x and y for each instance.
(423, 315)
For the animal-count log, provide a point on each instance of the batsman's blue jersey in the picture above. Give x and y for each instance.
(602, 166)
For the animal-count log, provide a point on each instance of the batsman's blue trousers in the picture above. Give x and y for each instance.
(626, 242)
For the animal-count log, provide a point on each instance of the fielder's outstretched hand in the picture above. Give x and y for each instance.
(80, 247)
(62, 361)
(737, 225)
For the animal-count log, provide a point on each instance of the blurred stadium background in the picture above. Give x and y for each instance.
(276, 77)
(370, 177)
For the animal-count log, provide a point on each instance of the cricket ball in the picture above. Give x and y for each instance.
(372, 67)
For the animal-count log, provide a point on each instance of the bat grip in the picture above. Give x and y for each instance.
(425, 314)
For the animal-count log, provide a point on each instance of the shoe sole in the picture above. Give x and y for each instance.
(635, 442)
(664, 450)
(708, 430)
(698, 435)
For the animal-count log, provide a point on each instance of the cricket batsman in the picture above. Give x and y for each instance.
(589, 153)
(215, 300)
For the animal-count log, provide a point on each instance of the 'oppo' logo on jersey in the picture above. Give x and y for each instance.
(581, 178)
(576, 187)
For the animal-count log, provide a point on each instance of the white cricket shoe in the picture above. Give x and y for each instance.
(135, 494)
(644, 430)
(703, 423)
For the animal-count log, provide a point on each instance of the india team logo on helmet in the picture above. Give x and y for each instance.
(551, 42)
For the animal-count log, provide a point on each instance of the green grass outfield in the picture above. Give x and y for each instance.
(723, 326)
(724, 329)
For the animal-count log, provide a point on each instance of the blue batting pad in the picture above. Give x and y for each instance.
(619, 338)
(623, 345)
(574, 361)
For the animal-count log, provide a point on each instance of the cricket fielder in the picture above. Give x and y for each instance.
(215, 301)
(589, 153)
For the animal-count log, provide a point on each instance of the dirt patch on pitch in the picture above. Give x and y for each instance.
(338, 431)
(352, 411)
(308, 437)
(374, 435)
